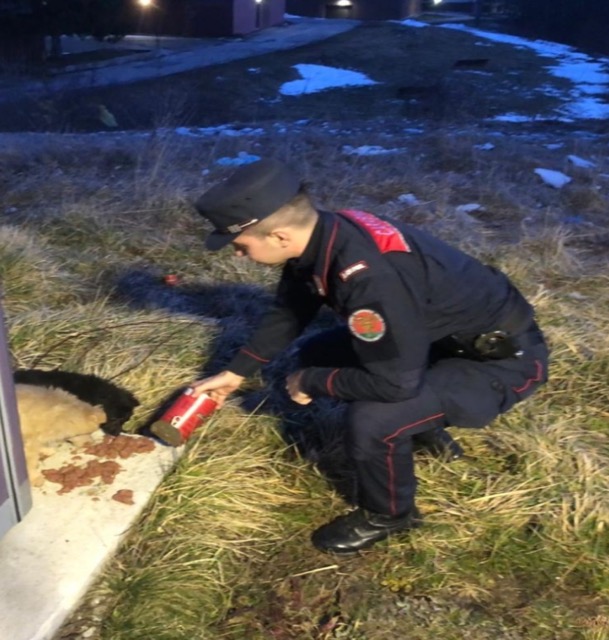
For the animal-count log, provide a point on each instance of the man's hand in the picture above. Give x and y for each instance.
(218, 387)
(293, 388)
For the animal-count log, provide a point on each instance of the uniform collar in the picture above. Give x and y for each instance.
(315, 259)
(314, 249)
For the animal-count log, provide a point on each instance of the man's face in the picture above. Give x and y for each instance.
(267, 249)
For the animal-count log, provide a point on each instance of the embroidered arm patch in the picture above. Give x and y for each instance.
(345, 274)
(367, 325)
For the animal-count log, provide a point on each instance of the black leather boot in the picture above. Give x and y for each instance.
(438, 443)
(360, 529)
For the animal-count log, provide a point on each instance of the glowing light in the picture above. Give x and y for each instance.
(437, 1)
(344, 3)
(144, 3)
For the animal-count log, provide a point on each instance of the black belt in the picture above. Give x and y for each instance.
(498, 344)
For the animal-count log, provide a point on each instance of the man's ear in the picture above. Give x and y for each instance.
(281, 236)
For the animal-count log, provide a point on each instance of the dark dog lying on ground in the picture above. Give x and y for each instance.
(117, 403)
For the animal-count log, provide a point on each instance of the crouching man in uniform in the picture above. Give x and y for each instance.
(430, 336)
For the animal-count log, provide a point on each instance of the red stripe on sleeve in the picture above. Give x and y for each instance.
(330, 380)
(253, 355)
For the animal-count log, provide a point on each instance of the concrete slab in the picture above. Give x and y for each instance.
(50, 559)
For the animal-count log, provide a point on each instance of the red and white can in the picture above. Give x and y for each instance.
(181, 419)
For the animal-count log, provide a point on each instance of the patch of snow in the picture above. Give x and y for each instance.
(554, 145)
(589, 76)
(474, 72)
(317, 77)
(236, 133)
(468, 208)
(414, 23)
(580, 69)
(409, 198)
(555, 179)
(368, 150)
(590, 89)
(241, 158)
(589, 108)
(223, 129)
(548, 90)
(487, 146)
(581, 162)
(512, 117)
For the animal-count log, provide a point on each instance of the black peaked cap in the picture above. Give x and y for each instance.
(250, 194)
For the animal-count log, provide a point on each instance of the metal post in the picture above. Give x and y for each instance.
(477, 12)
(15, 496)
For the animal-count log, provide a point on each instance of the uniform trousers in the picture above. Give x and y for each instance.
(454, 391)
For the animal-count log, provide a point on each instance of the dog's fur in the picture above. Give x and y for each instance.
(49, 415)
(118, 403)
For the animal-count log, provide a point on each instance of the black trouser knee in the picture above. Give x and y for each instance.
(379, 441)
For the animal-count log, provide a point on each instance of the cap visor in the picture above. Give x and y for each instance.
(216, 241)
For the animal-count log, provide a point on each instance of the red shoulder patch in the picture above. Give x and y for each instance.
(385, 235)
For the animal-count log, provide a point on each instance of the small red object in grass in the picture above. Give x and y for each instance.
(171, 279)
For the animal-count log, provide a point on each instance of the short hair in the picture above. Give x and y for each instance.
(298, 212)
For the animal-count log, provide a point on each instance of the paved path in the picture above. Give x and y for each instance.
(175, 55)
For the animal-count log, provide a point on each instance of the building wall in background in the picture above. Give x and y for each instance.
(355, 9)
(209, 18)
(249, 15)
(463, 6)
(16, 50)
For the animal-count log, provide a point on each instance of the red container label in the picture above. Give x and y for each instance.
(188, 412)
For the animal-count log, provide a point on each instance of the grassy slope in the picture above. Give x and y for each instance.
(413, 69)
(515, 542)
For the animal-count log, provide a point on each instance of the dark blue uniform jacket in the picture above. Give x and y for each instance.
(398, 288)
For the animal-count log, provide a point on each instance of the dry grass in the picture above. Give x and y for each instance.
(516, 537)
